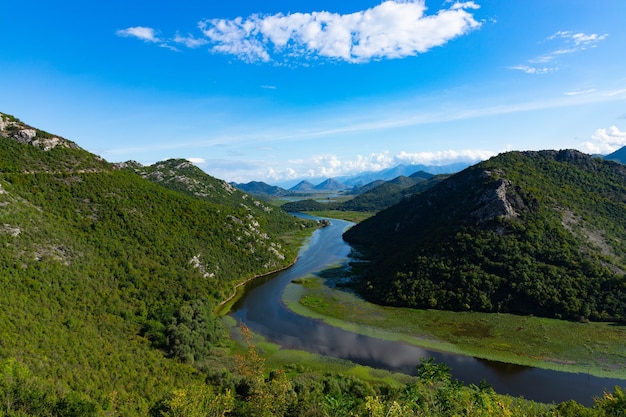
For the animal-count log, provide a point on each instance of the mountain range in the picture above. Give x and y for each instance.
(356, 184)
(372, 197)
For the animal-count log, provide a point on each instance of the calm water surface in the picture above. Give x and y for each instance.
(263, 311)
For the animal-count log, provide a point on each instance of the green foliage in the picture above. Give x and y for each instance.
(431, 372)
(194, 330)
(557, 252)
(100, 266)
(22, 394)
(612, 404)
(194, 401)
(309, 205)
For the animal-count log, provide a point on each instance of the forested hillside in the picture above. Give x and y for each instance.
(98, 262)
(525, 232)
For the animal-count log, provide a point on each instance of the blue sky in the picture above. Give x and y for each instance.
(279, 90)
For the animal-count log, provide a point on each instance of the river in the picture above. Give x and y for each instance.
(263, 311)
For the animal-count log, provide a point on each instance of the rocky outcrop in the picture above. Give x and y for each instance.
(500, 199)
(13, 128)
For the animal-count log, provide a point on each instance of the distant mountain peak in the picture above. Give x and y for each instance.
(617, 156)
(330, 185)
(303, 185)
(261, 188)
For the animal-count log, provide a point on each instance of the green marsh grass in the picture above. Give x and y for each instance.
(594, 348)
(351, 216)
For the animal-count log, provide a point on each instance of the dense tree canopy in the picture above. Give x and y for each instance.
(103, 271)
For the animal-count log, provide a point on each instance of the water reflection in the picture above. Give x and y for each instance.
(263, 311)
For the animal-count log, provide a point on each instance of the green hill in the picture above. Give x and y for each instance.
(98, 263)
(391, 192)
(525, 232)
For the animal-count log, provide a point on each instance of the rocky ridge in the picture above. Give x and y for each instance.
(14, 128)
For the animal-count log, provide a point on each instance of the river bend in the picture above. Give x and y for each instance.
(262, 310)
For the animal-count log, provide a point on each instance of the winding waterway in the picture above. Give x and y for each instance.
(263, 311)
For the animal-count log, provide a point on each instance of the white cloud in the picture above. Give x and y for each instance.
(146, 34)
(190, 41)
(605, 141)
(197, 161)
(330, 165)
(443, 157)
(393, 29)
(579, 40)
(571, 43)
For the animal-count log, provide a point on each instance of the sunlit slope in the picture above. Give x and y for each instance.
(95, 262)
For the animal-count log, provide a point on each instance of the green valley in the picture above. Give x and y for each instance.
(111, 274)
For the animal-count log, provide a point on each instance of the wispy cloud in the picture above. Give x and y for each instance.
(190, 41)
(534, 70)
(568, 43)
(146, 34)
(143, 33)
(580, 41)
(579, 92)
(393, 29)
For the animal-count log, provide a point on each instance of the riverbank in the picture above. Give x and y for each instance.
(298, 240)
(591, 348)
(224, 307)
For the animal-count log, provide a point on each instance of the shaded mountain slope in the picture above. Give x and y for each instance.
(524, 232)
(391, 192)
(262, 189)
(617, 156)
(302, 186)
